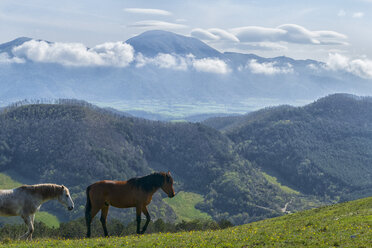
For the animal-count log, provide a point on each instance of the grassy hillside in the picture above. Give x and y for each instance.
(75, 144)
(321, 149)
(341, 225)
(184, 204)
(6, 182)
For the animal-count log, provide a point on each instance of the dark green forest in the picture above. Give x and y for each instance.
(322, 149)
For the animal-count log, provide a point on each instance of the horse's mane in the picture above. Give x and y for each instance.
(46, 190)
(148, 183)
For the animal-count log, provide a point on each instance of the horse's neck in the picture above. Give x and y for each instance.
(47, 198)
(155, 190)
(47, 194)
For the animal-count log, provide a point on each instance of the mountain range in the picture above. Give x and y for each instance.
(164, 73)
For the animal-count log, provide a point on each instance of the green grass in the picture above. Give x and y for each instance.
(48, 219)
(6, 182)
(274, 181)
(183, 205)
(341, 225)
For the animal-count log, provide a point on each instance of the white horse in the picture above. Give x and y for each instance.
(24, 201)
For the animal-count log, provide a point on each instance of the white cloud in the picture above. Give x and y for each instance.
(313, 67)
(213, 34)
(268, 68)
(5, 59)
(203, 34)
(298, 34)
(213, 65)
(176, 62)
(115, 54)
(76, 54)
(148, 11)
(223, 34)
(163, 60)
(358, 15)
(359, 67)
(157, 24)
(290, 33)
(255, 34)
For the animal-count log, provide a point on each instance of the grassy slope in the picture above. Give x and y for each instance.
(183, 205)
(274, 181)
(6, 182)
(345, 225)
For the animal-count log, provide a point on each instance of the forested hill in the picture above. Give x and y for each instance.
(75, 144)
(324, 148)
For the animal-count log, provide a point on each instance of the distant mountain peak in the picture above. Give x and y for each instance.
(8, 46)
(150, 43)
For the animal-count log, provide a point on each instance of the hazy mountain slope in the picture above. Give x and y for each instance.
(8, 46)
(76, 144)
(323, 148)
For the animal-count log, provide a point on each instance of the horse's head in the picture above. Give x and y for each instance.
(167, 186)
(65, 198)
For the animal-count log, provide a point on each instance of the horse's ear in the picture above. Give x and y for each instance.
(63, 186)
(169, 173)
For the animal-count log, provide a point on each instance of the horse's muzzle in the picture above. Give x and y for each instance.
(70, 208)
(171, 195)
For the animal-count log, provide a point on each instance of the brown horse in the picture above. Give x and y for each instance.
(136, 192)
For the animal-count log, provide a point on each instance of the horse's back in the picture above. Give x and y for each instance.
(116, 193)
(10, 202)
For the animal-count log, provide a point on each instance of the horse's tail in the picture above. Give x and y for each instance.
(88, 208)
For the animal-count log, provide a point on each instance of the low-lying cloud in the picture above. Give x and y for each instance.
(117, 54)
(213, 65)
(359, 67)
(162, 60)
(5, 59)
(177, 62)
(268, 68)
(114, 54)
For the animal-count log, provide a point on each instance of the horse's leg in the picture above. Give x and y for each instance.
(138, 214)
(30, 226)
(148, 218)
(103, 219)
(89, 217)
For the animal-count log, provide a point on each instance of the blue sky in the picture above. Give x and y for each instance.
(299, 29)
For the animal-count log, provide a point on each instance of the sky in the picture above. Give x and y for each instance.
(299, 29)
